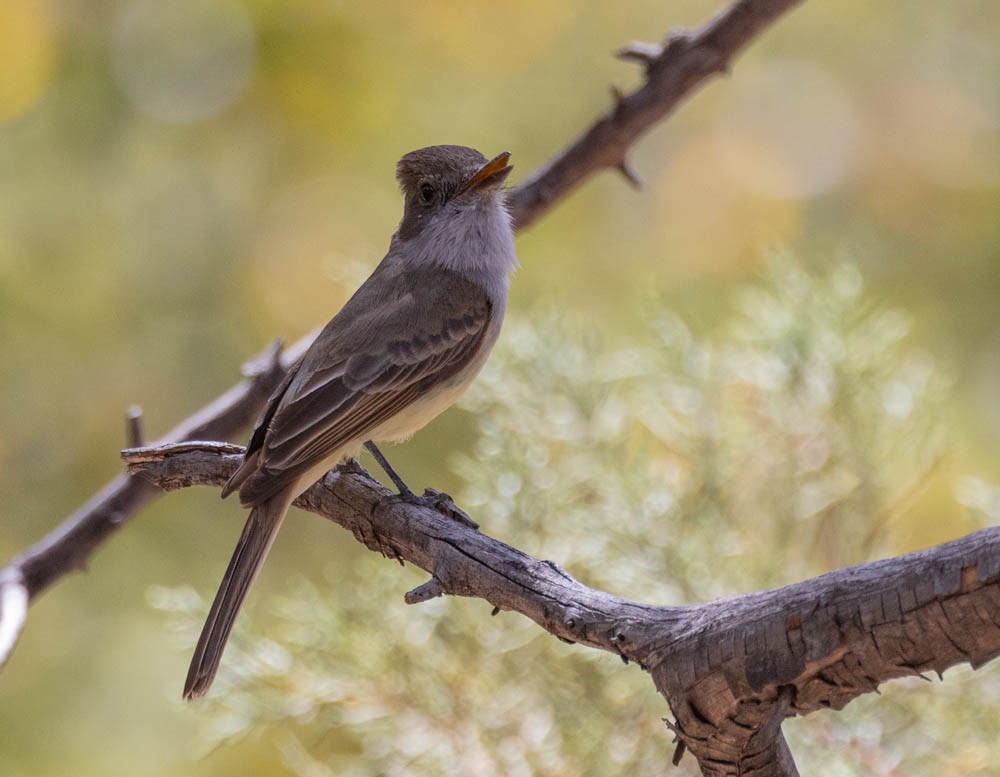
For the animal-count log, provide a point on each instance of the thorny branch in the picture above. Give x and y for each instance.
(674, 69)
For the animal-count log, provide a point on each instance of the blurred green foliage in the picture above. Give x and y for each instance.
(183, 181)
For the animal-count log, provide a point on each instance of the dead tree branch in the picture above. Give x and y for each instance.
(732, 670)
(674, 70)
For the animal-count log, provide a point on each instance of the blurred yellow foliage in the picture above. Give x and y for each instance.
(713, 214)
(28, 55)
(503, 39)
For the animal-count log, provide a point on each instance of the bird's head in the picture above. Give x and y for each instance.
(436, 177)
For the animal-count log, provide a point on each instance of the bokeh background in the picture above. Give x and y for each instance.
(784, 353)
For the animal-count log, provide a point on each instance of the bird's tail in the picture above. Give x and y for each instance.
(251, 550)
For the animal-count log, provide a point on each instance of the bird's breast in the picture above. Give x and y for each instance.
(439, 398)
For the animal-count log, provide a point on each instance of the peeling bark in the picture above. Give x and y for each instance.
(731, 670)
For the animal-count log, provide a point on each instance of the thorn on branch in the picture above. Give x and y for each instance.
(635, 181)
(618, 96)
(676, 43)
(432, 589)
(264, 363)
(495, 612)
(646, 54)
(134, 435)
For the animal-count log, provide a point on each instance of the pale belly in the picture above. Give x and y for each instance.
(401, 426)
(419, 413)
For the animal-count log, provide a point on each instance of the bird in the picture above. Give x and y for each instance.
(401, 350)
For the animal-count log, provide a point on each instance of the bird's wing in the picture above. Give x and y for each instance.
(363, 370)
(252, 452)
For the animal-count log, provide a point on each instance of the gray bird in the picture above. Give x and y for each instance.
(402, 350)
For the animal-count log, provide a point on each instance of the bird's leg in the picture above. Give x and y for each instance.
(436, 500)
(404, 490)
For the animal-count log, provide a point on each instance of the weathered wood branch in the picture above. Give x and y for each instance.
(732, 670)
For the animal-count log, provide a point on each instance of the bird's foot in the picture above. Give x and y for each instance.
(432, 498)
(439, 501)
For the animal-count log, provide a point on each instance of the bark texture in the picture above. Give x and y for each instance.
(731, 670)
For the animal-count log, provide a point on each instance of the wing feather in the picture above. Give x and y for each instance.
(364, 369)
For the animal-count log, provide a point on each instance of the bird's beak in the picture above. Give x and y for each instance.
(493, 173)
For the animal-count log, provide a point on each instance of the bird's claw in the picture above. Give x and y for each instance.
(445, 505)
(440, 502)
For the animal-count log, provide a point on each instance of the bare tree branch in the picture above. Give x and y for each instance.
(673, 71)
(69, 546)
(732, 670)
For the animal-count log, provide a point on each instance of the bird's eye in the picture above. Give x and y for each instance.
(426, 192)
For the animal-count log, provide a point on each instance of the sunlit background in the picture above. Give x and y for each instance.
(184, 181)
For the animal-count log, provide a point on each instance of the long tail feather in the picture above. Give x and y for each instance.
(251, 550)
